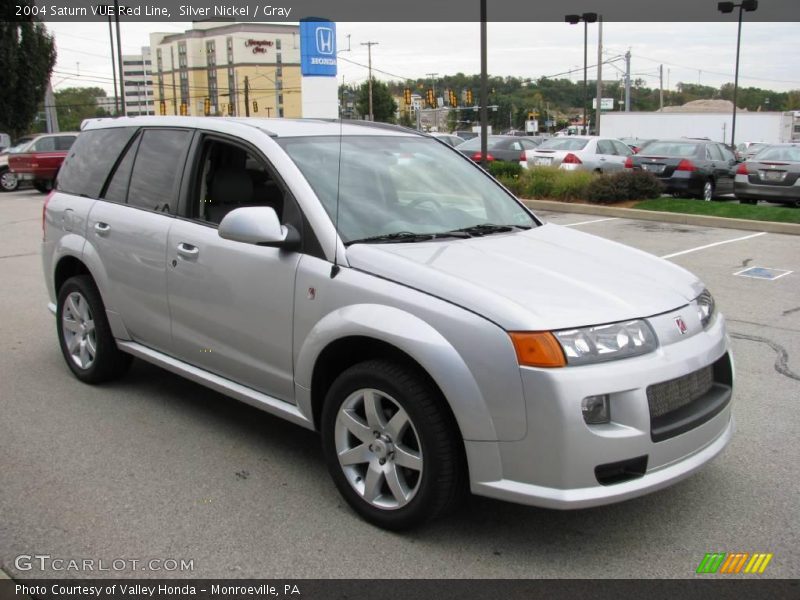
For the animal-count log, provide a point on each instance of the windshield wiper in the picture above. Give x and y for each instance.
(488, 229)
(408, 237)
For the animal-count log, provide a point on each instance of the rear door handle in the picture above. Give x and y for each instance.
(187, 250)
(102, 228)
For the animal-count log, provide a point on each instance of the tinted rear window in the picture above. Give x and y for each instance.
(91, 159)
(156, 172)
(564, 144)
(475, 143)
(679, 149)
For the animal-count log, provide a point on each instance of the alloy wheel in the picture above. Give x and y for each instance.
(378, 449)
(77, 324)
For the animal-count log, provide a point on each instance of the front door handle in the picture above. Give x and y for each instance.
(187, 250)
(102, 228)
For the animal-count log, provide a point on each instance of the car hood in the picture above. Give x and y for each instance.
(549, 277)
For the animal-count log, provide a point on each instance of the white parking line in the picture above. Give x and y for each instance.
(587, 222)
(740, 239)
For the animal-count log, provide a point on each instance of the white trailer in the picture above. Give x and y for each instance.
(769, 127)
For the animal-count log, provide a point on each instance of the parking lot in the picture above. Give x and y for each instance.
(154, 466)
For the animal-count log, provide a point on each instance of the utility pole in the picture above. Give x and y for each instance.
(174, 89)
(599, 74)
(369, 46)
(119, 58)
(628, 81)
(50, 109)
(246, 96)
(113, 66)
(661, 87)
(435, 108)
(484, 90)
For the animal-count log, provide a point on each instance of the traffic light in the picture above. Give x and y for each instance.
(453, 99)
(162, 108)
(407, 96)
(184, 111)
(255, 106)
(207, 107)
(430, 98)
(230, 108)
(469, 97)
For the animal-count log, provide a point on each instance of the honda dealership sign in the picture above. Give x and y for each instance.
(317, 48)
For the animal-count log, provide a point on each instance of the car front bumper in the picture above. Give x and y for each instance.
(561, 461)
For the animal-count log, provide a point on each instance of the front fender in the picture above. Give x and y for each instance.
(416, 338)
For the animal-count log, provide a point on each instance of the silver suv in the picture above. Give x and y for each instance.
(375, 285)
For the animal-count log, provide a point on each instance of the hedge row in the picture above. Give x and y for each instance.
(556, 184)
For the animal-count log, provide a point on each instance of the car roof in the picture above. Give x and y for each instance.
(272, 127)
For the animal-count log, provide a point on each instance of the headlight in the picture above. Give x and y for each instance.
(607, 342)
(705, 308)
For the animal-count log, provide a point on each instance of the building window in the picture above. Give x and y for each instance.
(277, 44)
(278, 58)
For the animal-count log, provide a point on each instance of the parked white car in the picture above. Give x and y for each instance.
(580, 153)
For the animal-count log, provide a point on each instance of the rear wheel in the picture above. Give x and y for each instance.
(708, 191)
(8, 180)
(84, 334)
(391, 446)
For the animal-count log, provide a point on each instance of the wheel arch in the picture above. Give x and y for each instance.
(356, 333)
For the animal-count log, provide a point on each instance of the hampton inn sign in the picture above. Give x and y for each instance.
(258, 46)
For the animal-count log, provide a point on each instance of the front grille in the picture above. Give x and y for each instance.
(681, 404)
(670, 395)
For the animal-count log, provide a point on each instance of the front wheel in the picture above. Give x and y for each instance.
(8, 180)
(84, 334)
(391, 446)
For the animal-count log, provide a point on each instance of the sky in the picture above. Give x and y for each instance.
(690, 52)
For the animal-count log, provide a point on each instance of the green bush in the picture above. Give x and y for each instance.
(538, 182)
(627, 185)
(505, 169)
(643, 185)
(514, 184)
(572, 185)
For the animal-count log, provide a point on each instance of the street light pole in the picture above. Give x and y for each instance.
(574, 20)
(727, 7)
(369, 46)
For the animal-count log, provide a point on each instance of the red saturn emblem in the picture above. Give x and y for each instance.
(681, 325)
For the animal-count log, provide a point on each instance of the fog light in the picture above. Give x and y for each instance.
(596, 409)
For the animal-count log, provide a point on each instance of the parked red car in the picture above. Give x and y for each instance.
(41, 159)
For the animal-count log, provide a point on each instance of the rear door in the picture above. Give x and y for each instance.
(128, 230)
(726, 169)
(607, 159)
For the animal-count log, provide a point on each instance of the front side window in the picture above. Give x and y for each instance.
(159, 162)
(405, 185)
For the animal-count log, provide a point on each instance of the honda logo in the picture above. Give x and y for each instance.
(681, 325)
(324, 40)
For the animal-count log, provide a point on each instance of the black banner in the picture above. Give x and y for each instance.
(394, 589)
(405, 11)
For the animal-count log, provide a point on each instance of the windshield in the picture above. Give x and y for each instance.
(564, 144)
(678, 149)
(406, 185)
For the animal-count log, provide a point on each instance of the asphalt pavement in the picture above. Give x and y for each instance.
(154, 467)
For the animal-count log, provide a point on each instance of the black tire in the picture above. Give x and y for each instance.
(8, 182)
(108, 362)
(442, 482)
(43, 185)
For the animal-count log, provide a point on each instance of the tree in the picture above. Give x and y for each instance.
(383, 105)
(74, 104)
(27, 56)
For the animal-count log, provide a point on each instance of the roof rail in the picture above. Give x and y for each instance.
(379, 125)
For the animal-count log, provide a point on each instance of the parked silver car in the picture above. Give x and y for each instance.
(580, 153)
(437, 334)
(773, 174)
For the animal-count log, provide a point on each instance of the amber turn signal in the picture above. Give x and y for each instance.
(538, 349)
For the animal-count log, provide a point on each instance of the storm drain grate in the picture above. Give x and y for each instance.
(763, 273)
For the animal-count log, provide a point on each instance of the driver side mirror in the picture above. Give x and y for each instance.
(258, 225)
